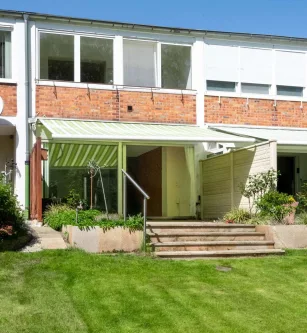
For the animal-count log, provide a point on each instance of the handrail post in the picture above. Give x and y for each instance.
(145, 218)
(125, 197)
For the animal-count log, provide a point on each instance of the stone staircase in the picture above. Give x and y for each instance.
(200, 240)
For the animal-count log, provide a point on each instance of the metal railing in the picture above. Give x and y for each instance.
(145, 195)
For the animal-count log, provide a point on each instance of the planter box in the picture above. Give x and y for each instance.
(96, 240)
(285, 236)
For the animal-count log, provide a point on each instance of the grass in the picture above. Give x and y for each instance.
(71, 291)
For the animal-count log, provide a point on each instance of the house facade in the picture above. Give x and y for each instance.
(153, 101)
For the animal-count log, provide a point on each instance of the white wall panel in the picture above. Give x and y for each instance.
(256, 65)
(290, 68)
(222, 63)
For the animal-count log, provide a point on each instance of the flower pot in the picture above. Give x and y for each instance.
(289, 219)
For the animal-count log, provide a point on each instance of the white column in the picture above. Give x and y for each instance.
(198, 81)
(77, 58)
(19, 72)
(118, 60)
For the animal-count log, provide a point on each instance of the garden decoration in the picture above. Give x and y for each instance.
(94, 168)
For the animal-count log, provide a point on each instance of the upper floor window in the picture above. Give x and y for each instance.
(221, 86)
(140, 64)
(290, 91)
(176, 66)
(56, 57)
(96, 60)
(252, 88)
(5, 55)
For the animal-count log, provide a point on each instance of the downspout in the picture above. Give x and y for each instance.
(26, 115)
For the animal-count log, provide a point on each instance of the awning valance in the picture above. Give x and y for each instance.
(283, 136)
(78, 155)
(98, 130)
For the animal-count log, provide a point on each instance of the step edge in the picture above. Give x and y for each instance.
(213, 243)
(208, 253)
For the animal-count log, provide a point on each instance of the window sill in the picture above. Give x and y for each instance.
(7, 81)
(113, 87)
(256, 96)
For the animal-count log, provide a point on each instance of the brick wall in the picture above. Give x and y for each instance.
(112, 105)
(258, 112)
(8, 93)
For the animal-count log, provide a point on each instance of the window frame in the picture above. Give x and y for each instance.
(290, 96)
(158, 74)
(10, 29)
(77, 54)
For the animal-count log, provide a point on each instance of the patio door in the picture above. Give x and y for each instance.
(286, 180)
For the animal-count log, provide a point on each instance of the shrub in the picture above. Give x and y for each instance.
(258, 185)
(57, 216)
(301, 218)
(275, 205)
(11, 214)
(302, 198)
(237, 215)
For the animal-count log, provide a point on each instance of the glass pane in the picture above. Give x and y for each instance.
(96, 60)
(56, 57)
(5, 55)
(176, 66)
(290, 91)
(64, 180)
(221, 86)
(140, 64)
(249, 88)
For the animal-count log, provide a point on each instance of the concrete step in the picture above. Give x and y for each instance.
(204, 236)
(212, 245)
(218, 254)
(160, 227)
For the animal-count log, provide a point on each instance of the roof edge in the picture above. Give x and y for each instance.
(146, 27)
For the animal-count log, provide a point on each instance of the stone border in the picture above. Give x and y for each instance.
(98, 240)
(285, 236)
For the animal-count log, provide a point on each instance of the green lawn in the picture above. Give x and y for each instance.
(71, 291)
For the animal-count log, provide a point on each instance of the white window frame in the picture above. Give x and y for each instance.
(77, 56)
(13, 55)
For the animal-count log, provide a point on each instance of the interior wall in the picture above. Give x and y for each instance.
(6, 150)
(150, 178)
(176, 182)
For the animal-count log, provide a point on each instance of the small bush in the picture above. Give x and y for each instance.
(302, 198)
(275, 205)
(57, 216)
(301, 218)
(237, 215)
(11, 214)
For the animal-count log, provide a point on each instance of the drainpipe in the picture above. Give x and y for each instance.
(27, 108)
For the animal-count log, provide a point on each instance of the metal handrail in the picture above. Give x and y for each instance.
(146, 197)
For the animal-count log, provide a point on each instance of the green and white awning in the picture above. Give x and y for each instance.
(98, 130)
(78, 155)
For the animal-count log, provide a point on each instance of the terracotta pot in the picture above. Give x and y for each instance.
(289, 219)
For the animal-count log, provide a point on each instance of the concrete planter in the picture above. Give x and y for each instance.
(285, 236)
(97, 240)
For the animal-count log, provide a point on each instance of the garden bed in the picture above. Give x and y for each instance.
(97, 240)
(285, 236)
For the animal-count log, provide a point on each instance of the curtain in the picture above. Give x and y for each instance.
(189, 156)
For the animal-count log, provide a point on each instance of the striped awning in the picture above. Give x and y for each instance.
(78, 155)
(98, 130)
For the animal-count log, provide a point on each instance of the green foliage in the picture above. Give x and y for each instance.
(258, 185)
(237, 215)
(73, 199)
(301, 218)
(10, 211)
(275, 205)
(57, 216)
(302, 198)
